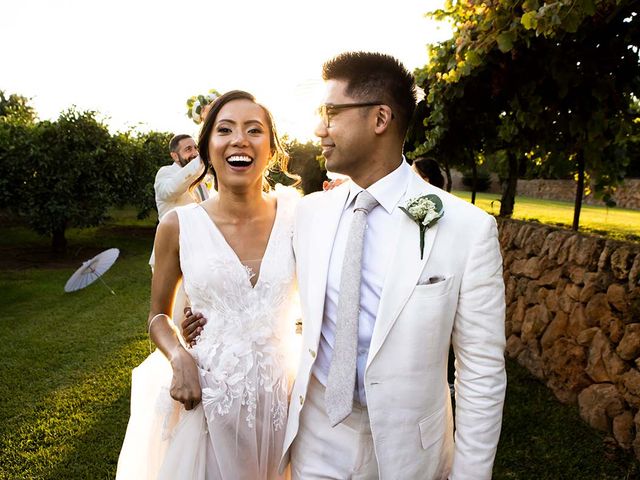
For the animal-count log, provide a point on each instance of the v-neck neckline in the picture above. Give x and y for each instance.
(265, 254)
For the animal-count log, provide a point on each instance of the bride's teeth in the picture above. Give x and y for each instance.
(238, 158)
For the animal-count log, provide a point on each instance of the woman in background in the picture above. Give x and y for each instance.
(429, 169)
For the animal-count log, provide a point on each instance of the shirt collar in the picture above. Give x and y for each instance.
(388, 191)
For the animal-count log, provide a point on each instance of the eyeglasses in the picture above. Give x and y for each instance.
(328, 109)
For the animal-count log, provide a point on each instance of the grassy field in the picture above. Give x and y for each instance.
(67, 359)
(617, 223)
(543, 439)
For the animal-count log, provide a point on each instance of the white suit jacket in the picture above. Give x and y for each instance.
(406, 373)
(172, 185)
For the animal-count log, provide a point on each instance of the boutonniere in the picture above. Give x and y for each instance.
(425, 211)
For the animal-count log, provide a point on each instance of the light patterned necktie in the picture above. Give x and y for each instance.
(342, 373)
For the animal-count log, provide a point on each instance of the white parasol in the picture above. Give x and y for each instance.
(91, 270)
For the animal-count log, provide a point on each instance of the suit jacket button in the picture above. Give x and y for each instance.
(301, 399)
(312, 353)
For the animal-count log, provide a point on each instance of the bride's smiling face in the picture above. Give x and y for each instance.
(240, 144)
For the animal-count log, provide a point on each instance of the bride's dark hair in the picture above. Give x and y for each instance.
(279, 156)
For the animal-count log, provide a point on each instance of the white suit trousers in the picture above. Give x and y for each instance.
(322, 452)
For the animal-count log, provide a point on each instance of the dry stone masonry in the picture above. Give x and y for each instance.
(573, 320)
(626, 195)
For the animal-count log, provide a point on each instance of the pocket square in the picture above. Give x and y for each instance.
(432, 280)
(435, 279)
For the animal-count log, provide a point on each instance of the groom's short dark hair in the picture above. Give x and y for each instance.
(175, 141)
(376, 76)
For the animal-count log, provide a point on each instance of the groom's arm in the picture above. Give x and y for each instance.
(192, 326)
(479, 342)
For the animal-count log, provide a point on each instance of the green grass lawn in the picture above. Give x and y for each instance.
(619, 223)
(64, 389)
(543, 439)
(67, 360)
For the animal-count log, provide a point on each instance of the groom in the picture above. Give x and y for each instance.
(371, 398)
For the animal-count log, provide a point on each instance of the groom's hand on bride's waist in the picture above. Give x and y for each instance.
(192, 326)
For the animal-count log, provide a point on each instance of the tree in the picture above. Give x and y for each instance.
(305, 160)
(67, 173)
(16, 142)
(140, 155)
(68, 176)
(306, 166)
(16, 109)
(467, 120)
(556, 82)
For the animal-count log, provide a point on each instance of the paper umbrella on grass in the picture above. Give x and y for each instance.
(92, 270)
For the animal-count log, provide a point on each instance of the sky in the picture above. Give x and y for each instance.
(138, 61)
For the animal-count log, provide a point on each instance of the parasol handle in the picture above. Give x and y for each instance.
(99, 277)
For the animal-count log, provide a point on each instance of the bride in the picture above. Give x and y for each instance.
(222, 413)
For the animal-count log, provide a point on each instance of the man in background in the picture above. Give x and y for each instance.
(173, 181)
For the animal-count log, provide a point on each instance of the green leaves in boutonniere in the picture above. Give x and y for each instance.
(425, 210)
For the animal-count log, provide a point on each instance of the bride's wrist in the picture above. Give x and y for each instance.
(156, 317)
(176, 354)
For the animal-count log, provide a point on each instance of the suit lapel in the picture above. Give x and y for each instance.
(320, 241)
(404, 270)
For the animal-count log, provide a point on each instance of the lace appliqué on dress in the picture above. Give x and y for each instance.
(240, 350)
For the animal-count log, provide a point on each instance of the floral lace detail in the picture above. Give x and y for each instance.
(240, 352)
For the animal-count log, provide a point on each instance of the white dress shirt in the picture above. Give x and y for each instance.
(381, 232)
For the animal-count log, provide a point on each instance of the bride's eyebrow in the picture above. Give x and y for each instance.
(233, 122)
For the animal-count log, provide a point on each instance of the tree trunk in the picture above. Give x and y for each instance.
(508, 200)
(579, 192)
(474, 183)
(59, 241)
(447, 172)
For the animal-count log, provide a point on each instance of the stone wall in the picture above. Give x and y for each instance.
(456, 183)
(573, 320)
(627, 195)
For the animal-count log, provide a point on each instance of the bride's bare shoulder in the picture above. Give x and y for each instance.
(168, 228)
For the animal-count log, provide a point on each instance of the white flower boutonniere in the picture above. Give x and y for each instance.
(196, 104)
(425, 211)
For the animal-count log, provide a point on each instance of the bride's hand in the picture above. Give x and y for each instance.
(185, 386)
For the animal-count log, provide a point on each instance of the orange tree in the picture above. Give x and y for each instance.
(542, 82)
(68, 175)
(139, 156)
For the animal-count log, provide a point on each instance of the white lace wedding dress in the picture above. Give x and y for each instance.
(243, 354)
